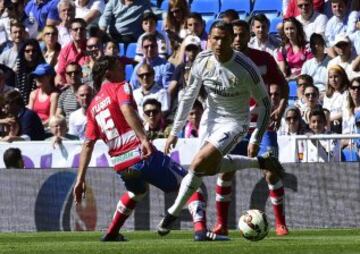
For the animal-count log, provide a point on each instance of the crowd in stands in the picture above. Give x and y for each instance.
(49, 47)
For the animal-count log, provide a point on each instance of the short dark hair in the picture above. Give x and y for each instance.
(241, 23)
(78, 20)
(261, 18)
(149, 37)
(318, 112)
(149, 15)
(220, 24)
(230, 13)
(305, 77)
(11, 157)
(312, 86)
(316, 38)
(152, 102)
(14, 97)
(198, 104)
(195, 15)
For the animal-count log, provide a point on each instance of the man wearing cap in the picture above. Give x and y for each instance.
(345, 56)
(149, 21)
(163, 69)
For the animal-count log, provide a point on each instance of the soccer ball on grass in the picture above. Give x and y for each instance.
(253, 225)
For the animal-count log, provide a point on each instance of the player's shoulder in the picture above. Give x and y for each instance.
(204, 55)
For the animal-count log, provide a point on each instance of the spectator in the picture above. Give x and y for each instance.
(29, 121)
(67, 14)
(293, 51)
(263, 40)
(123, 19)
(149, 21)
(4, 88)
(12, 132)
(163, 69)
(74, 51)
(292, 9)
(320, 150)
(94, 50)
(312, 21)
(177, 12)
(67, 100)
(351, 107)
(17, 34)
(28, 58)
(302, 81)
(355, 38)
(228, 16)
(311, 99)
(317, 66)
(58, 129)
(154, 123)
(44, 12)
(345, 56)
(5, 19)
(195, 25)
(77, 119)
(44, 99)
(111, 49)
(149, 89)
(292, 123)
(13, 159)
(335, 96)
(89, 10)
(51, 49)
(342, 22)
(192, 127)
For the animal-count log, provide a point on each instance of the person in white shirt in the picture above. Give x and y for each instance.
(66, 10)
(312, 21)
(89, 10)
(77, 119)
(150, 89)
(230, 79)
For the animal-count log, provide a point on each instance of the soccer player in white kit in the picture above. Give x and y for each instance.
(230, 79)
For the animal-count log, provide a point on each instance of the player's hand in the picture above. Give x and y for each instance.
(170, 143)
(253, 150)
(79, 191)
(147, 149)
(275, 119)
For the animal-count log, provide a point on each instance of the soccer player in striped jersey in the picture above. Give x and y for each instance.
(112, 117)
(278, 90)
(230, 80)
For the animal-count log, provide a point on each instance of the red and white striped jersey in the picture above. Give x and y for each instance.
(107, 122)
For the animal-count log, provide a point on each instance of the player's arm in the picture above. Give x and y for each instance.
(184, 107)
(135, 123)
(85, 157)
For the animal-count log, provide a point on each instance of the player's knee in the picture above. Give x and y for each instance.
(270, 177)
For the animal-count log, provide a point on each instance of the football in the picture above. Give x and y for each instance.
(253, 225)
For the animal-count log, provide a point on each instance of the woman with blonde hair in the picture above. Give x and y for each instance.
(335, 95)
(52, 47)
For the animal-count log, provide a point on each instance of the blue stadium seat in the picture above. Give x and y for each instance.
(208, 24)
(121, 49)
(159, 25)
(164, 5)
(129, 68)
(131, 50)
(243, 7)
(208, 8)
(349, 155)
(292, 92)
(271, 8)
(273, 24)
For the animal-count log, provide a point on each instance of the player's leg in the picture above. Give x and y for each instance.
(223, 192)
(275, 184)
(137, 189)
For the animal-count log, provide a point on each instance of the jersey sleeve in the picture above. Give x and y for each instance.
(188, 99)
(124, 94)
(92, 129)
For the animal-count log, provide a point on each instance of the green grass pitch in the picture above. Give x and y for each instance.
(339, 241)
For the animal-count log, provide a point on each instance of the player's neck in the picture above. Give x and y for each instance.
(223, 58)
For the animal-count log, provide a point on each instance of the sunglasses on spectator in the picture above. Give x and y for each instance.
(145, 74)
(291, 118)
(307, 95)
(94, 46)
(303, 5)
(72, 72)
(355, 88)
(151, 112)
(50, 33)
(150, 46)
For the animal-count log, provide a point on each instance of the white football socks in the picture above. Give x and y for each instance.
(232, 162)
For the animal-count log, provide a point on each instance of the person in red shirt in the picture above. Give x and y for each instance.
(112, 117)
(278, 92)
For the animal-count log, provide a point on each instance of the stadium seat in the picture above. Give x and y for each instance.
(273, 24)
(159, 25)
(292, 92)
(271, 8)
(131, 50)
(208, 24)
(121, 49)
(243, 7)
(129, 68)
(164, 5)
(349, 155)
(208, 8)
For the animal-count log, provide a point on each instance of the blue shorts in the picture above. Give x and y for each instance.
(159, 170)
(268, 144)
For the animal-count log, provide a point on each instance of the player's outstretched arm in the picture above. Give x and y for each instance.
(135, 123)
(170, 143)
(85, 157)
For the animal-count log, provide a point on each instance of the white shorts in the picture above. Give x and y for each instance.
(224, 134)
